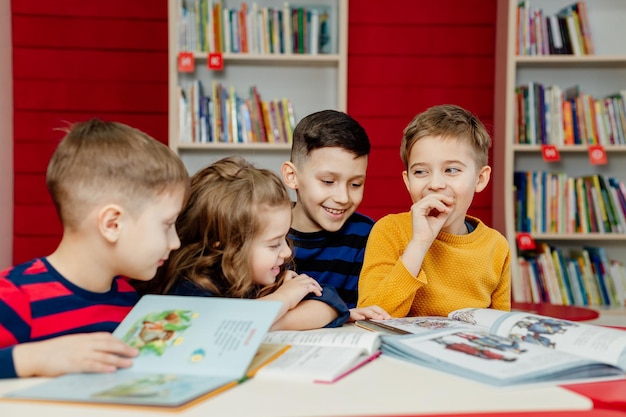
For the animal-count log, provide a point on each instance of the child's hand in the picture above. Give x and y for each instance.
(88, 352)
(296, 286)
(371, 312)
(429, 215)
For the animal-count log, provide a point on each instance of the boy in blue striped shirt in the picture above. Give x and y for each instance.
(327, 170)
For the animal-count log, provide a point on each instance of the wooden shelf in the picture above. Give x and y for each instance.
(270, 147)
(580, 237)
(273, 58)
(568, 148)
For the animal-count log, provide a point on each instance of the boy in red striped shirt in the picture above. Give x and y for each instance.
(118, 193)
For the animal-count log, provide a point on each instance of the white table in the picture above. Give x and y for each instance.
(383, 387)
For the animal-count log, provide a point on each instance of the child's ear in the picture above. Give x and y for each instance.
(288, 169)
(405, 178)
(483, 178)
(110, 222)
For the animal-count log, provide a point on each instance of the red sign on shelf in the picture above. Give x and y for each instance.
(525, 241)
(215, 61)
(186, 62)
(597, 155)
(550, 153)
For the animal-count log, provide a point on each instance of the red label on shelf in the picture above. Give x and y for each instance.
(186, 62)
(215, 61)
(597, 155)
(525, 241)
(550, 153)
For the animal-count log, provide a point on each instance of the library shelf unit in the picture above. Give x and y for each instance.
(312, 82)
(600, 75)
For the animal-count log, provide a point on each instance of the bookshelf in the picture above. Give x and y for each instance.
(599, 74)
(311, 82)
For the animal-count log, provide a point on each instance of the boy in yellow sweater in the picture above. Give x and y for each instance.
(435, 258)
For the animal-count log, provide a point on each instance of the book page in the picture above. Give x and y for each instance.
(196, 335)
(405, 325)
(124, 388)
(594, 342)
(367, 342)
(587, 340)
(311, 363)
(492, 359)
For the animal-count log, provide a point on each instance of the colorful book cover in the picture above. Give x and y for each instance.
(188, 347)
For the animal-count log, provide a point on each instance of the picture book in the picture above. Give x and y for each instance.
(321, 356)
(506, 348)
(189, 347)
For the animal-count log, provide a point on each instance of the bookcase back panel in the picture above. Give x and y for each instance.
(596, 81)
(310, 88)
(606, 20)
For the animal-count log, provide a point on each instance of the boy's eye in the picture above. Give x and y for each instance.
(356, 185)
(453, 170)
(328, 182)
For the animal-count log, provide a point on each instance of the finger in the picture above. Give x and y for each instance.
(289, 275)
(108, 361)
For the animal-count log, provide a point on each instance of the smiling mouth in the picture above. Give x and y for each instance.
(334, 211)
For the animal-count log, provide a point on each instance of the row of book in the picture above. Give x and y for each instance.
(548, 202)
(566, 32)
(209, 26)
(583, 277)
(548, 115)
(222, 115)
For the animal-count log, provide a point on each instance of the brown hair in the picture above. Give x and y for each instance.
(217, 226)
(101, 161)
(449, 122)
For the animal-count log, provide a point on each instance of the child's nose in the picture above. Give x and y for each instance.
(341, 195)
(174, 241)
(437, 182)
(285, 252)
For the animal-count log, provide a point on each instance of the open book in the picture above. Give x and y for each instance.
(189, 347)
(322, 356)
(506, 348)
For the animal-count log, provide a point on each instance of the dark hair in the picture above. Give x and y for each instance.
(326, 129)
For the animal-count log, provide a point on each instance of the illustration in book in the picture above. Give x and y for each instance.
(509, 348)
(189, 347)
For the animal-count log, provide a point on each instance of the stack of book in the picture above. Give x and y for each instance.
(210, 26)
(548, 115)
(566, 32)
(222, 115)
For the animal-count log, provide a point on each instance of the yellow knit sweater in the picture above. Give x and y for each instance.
(458, 271)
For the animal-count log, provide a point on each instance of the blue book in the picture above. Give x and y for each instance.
(189, 347)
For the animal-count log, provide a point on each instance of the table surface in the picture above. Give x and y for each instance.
(386, 386)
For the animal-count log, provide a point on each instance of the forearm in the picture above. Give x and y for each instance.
(284, 309)
(308, 314)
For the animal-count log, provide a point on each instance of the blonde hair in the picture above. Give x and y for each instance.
(101, 161)
(217, 227)
(447, 121)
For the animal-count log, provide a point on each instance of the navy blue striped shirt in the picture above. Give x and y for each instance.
(334, 258)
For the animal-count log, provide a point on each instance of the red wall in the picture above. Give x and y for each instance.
(76, 59)
(72, 60)
(405, 58)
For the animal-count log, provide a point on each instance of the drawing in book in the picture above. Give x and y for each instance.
(155, 332)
